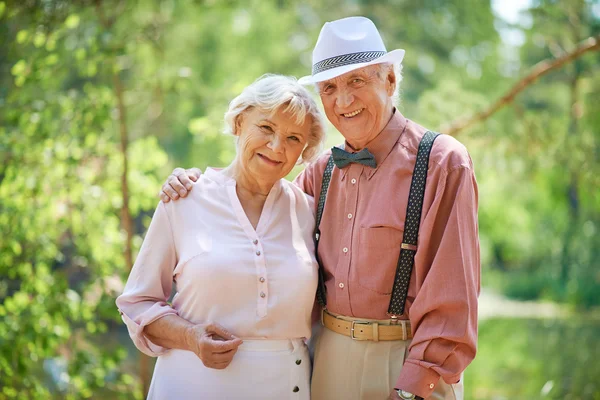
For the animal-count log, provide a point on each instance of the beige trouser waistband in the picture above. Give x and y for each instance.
(361, 329)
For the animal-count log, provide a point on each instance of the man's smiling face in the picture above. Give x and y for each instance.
(359, 103)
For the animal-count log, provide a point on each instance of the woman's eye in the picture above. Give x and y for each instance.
(294, 138)
(266, 128)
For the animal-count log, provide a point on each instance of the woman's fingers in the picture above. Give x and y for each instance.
(216, 345)
(221, 365)
(216, 329)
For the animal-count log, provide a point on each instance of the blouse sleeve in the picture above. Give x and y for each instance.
(144, 299)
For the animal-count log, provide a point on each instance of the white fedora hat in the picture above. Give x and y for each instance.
(345, 45)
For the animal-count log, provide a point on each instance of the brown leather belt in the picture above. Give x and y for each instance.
(364, 330)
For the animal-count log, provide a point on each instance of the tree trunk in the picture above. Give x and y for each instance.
(126, 218)
(572, 190)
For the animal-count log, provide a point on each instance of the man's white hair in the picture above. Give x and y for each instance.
(272, 93)
(397, 68)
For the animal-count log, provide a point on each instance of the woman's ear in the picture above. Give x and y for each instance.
(237, 126)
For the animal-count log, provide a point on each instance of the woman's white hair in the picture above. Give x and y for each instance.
(273, 92)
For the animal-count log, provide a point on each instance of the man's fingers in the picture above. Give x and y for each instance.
(193, 174)
(170, 192)
(185, 181)
(163, 197)
(177, 186)
(178, 171)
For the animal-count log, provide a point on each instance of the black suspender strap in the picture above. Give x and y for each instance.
(408, 248)
(322, 197)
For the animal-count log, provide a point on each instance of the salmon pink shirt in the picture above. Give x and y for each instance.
(257, 283)
(361, 234)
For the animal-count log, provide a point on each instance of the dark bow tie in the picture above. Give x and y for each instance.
(342, 158)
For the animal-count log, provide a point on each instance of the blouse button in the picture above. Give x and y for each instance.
(431, 385)
(258, 252)
(353, 181)
(262, 279)
(349, 216)
(341, 285)
(255, 241)
(345, 249)
(263, 295)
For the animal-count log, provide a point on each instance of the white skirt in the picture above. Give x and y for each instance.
(261, 369)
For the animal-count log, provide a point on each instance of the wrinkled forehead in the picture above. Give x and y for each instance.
(367, 71)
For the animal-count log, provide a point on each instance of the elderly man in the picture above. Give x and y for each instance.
(397, 233)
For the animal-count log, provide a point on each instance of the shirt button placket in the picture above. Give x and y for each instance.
(261, 272)
(351, 201)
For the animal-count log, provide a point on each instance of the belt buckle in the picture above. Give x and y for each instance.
(352, 331)
(352, 327)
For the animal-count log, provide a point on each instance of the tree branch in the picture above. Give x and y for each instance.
(538, 70)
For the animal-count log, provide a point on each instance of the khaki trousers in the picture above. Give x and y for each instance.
(362, 370)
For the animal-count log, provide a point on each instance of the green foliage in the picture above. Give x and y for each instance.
(536, 359)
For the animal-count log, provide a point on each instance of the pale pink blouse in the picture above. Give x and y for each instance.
(258, 284)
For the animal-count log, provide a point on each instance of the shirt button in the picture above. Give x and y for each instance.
(263, 295)
(345, 249)
(296, 389)
(349, 216)
(258, 252)
(255, 241)
(262, 279)
(353, 181)
(341, 285)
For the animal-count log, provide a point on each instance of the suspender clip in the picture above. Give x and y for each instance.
(408, 246)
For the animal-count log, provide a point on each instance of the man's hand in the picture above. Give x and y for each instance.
(179, 183)
(213, 344)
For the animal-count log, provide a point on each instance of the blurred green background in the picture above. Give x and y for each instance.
(99, 100)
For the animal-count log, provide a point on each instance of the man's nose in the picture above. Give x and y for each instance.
(344, 99)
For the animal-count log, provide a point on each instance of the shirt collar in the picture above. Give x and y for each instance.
(217, 175)
(381, 146)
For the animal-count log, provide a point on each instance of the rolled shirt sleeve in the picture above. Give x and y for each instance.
(444, 313)
(144, 299)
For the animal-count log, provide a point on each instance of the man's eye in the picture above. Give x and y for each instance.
(294, 138)
(357, 80)
(327, 89)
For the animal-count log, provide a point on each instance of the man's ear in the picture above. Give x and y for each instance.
(391, 81)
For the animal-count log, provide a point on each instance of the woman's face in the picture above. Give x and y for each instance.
(270, 144)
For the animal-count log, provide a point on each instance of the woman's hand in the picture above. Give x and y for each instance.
(213, 344)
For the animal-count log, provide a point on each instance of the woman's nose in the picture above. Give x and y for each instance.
(276, 144)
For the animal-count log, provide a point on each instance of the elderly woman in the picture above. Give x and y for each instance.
(242, 259)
